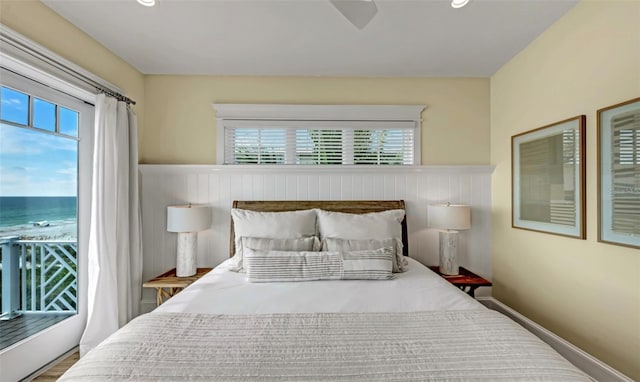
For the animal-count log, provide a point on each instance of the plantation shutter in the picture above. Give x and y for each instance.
(255, 145)
(626, 173)
(319, 142)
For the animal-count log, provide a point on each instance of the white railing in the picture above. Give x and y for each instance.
(38, 276)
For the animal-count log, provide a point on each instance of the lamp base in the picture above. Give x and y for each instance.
(187, 249)
(449, 253)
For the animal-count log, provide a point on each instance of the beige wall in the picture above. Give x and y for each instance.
(181, 121)
(42, 25)
(587, 292)
(177, 122)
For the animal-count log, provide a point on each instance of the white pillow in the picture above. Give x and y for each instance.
(265, 244)
(273, 225)
(374, 225)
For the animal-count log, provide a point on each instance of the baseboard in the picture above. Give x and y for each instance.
(51, 364)
(147, 306)
(595, 368)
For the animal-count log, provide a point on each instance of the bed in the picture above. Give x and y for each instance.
(412, 326)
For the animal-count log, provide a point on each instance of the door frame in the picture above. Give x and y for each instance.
(29, 355)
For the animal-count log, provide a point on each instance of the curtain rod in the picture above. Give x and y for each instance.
(115, 95)
(44, 55)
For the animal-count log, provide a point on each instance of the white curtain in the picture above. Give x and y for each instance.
(115, 246)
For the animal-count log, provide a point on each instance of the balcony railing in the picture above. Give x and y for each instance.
(38, 276)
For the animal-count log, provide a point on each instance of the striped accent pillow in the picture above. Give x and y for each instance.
(273, 266)
(400, 264)
(373, 264)
(276, 266)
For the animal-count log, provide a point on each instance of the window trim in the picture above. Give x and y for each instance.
(231, 115)
(30, 113)
(23, 56)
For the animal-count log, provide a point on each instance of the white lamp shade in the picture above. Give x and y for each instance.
(190, 218)
(449, 216)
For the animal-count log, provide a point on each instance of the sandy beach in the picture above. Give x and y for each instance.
(57, 230)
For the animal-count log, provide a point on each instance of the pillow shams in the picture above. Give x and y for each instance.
(277, 266)
(273, 225)
(385, 224)
(303, 244)
(266, 244)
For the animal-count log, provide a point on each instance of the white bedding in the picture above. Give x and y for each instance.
(225, 292)
(461, 345)
(416, 327)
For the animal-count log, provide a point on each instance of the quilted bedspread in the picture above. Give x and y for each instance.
(467, 345)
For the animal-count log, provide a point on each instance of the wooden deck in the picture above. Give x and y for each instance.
(17, 329)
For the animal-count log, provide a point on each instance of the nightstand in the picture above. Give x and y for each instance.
(466, 280)
(168, 284)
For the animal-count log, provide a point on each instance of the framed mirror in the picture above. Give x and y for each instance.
(548, 179)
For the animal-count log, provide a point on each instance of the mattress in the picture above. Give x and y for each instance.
(415, 327)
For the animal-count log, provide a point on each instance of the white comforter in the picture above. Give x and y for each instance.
(416, 327)
(463, 345)
(225, 292)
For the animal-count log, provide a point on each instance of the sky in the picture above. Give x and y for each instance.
(33, 163)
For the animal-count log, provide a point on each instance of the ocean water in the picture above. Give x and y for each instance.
(25, 210)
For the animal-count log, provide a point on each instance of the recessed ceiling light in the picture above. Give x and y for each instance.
(454, 3)
(147, 3)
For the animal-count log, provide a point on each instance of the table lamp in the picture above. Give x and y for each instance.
(449, 217)
(187, 221)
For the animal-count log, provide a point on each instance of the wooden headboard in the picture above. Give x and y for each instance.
(347, 206)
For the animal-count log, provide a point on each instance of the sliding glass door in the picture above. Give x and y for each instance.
(45, 177)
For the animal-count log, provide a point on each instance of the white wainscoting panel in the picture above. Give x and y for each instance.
(219, 185)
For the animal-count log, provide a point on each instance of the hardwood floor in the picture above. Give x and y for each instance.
(57, 370)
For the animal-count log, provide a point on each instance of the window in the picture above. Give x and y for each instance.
(318, 134)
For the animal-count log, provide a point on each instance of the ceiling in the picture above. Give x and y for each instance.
(311, 38)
